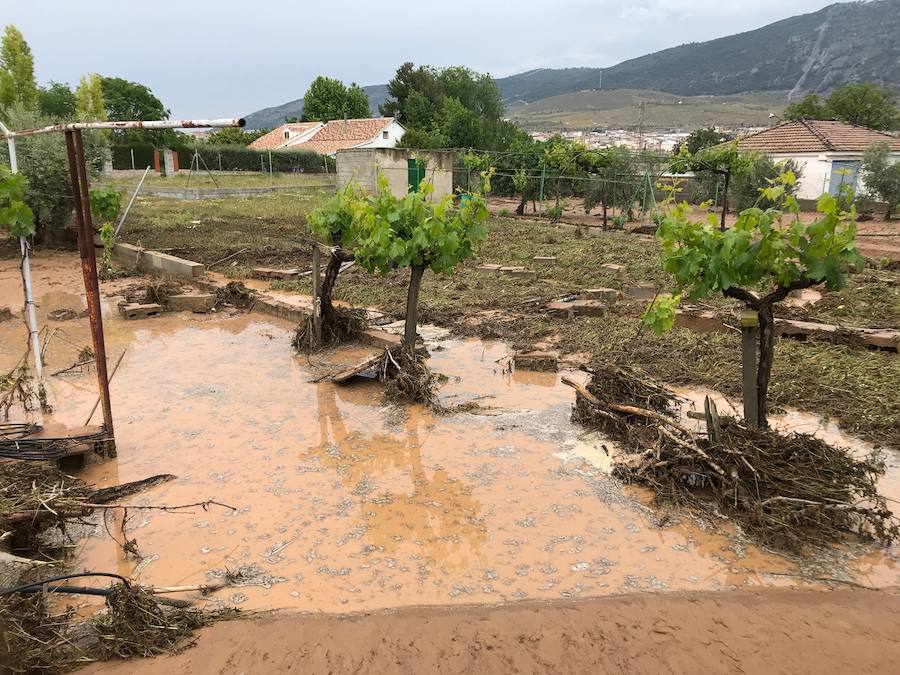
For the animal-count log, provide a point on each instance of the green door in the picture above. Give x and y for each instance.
(415, 171)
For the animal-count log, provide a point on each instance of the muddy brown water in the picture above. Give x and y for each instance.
(344, 502)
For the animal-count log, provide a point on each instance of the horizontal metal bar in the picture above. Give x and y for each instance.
(134, 124)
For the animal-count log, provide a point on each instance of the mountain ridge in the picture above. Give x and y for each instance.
(807, 53)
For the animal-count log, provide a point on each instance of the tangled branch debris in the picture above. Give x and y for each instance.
(785, 490)
(36, 640)
(235, 294)
(343, 325)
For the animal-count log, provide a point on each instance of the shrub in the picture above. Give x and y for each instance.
(554, 213)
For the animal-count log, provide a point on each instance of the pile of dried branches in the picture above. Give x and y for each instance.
(155, 291)
(34, 495)
(785, 490)
(35, 640)
(343, 325)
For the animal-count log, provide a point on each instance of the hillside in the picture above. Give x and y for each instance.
(268, 118)
(620, 108)
(847, 42)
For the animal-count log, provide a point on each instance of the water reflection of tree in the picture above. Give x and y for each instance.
(439, 515)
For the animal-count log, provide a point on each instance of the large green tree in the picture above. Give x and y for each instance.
(234, 136)
(448, 107)
(56, 101)
(701, 139)
(17, 83)
(330, 99)
(126, 100)
(864, 104)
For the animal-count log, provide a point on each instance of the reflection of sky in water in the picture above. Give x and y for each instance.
(344, 503)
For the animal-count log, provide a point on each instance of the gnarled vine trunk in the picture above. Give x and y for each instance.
(337, 257)
(412, 308)
(725, 200)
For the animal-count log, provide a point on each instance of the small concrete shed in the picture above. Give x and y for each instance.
(404, 169)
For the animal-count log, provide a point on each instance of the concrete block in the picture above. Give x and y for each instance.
(510, 269)
(589, 307)
(191, 302)
(613, 269)
(270, 273)
(523, 274)
(805, 329)
(641, 291)
(281, 309)
(700, 322)
(156, 262)
(380, 338)
(137, 311)
(605, 294)
(548, 260)
(561, 309)
(883, 339)
(542, 361)
(488, 269)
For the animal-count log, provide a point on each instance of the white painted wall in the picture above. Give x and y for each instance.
(817, 169)
(386, 138)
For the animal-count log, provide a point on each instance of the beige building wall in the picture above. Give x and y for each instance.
(363, 164)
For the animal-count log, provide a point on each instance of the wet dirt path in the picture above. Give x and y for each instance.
(346, 503)
(776, 631)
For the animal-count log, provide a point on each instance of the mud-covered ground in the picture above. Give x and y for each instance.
(768, 632)
(856, 387)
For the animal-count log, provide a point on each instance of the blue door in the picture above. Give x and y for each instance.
(843, 173)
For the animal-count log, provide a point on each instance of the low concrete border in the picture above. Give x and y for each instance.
(197, 194)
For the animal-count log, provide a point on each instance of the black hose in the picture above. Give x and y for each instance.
(78, 590)
(38, 584)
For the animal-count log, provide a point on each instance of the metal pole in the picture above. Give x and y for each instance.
(78, 174)
(131, 201)
(132, 158)
(26, 269)
(749, 347)
(317, 293)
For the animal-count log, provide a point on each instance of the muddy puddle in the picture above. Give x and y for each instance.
(343, 502)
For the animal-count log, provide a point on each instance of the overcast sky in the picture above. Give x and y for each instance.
(218, 59)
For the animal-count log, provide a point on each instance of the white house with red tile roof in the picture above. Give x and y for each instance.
(286, 133)
(376, 132)
(829, 152)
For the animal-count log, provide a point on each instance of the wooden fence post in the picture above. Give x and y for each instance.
(749, 348)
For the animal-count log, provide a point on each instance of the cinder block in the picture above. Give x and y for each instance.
(380, 338)
(523, 274)
(605, 294)
(269, 273)
(613, 269)
(510, 269)
(137, 311)
(883, 339)
(154, 261)
(589, 307)
(641, 291)
(561, 309)
(488, 269)
(541, 361)
(548, 260)
(191, 302)
(700, 322)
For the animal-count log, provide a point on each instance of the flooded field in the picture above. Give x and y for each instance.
(344, 501)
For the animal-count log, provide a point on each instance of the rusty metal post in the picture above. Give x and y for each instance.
(317, 295)
(78, 175)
